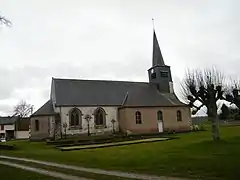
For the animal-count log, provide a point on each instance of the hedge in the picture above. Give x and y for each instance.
(7, 147)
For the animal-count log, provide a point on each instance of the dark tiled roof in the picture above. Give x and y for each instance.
(157, 55)
(8, 119)
(71, 92)
(46, 109)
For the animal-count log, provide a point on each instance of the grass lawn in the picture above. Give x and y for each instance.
(92, 146)
(69, 172)
(11, 173)
(193, 155)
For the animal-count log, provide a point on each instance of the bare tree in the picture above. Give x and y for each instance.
(204, 88)
(232, 94)
(5, 21)
(23, 109)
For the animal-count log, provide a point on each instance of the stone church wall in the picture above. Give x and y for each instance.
(45, 127)
(149, 119)
(111, 113)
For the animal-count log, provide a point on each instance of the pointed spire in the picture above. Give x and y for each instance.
(157, 58)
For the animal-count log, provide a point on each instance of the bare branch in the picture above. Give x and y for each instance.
(5, 21)
(213, 76)
(23, 109)
(189, 81)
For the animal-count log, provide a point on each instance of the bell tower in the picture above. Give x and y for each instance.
(160, 74)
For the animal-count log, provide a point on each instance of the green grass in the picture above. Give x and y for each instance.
(11, 173)
(92, 146)
(69, 172)
(193, 155)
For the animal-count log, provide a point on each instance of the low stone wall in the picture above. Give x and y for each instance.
(230, 123)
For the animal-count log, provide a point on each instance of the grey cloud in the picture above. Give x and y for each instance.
(112, 39)
(40, 77)
(6, 109)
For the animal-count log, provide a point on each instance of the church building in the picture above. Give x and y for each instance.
(79, 106)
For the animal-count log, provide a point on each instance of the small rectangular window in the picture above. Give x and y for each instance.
(36, 125)
(138, 117)
(179, 116)
(2, 127)
(164, 74)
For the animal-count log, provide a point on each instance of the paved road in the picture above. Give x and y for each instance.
(42, 171)
(95, 170)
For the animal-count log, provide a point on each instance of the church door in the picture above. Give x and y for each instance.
(160, 121)
(160, 126)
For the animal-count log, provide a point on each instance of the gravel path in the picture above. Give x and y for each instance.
(95, 170)
(42, 171)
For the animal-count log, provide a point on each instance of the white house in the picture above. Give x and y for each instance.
(14, 127)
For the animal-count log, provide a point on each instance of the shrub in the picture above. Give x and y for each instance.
(195, 127)
(202, 127)
(237, 117)
(171, 131)
(7, 147)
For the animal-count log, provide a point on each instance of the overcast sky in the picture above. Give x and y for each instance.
(110, 39)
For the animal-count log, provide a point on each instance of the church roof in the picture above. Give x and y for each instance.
(46, 109)
(73, 92)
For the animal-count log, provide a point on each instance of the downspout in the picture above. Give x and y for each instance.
(122, 105)
(124, 100)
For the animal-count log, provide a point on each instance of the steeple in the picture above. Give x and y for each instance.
(160, 74)
(157, 58)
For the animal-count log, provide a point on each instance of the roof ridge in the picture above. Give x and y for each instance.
(99, 80)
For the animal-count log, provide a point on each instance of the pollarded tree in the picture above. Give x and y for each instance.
(203, 88)
(233, 95)
(225, 112)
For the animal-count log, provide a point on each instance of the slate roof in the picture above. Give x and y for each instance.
(74, 92)
(157, 54)
(8, 120)
(46, 109)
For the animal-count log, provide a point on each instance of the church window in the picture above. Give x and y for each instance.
(36, 125)
(100, 116)
(138, 117)
(179, 116)
(164, 74)
(160, 116)
(75, 117)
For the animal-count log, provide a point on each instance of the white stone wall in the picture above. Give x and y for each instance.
(8, 127)
(111, 113)
(22, 134)
(52, 127)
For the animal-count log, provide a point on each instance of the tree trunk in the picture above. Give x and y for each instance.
(215, 129)
(215, 122)
(212, 114)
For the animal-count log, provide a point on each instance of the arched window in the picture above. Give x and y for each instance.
(138, 117)
(159, 116)
(75, 117)
(100, 116)
(179, 116)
